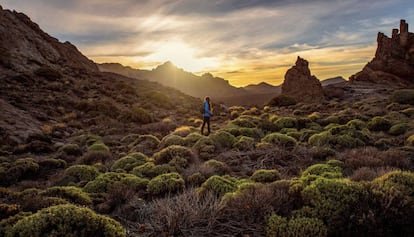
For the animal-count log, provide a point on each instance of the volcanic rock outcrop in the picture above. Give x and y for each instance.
(300, 84)
(394, 59)
(24, 47)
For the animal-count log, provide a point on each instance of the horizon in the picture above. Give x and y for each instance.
(238, 41)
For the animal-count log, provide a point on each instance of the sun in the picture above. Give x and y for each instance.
(182, 55)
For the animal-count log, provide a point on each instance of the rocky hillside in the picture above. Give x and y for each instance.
(49, 92)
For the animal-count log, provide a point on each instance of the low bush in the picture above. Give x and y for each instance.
(223, 139)
(172, 139)
(166, 184)
(98, 146)
(195, 179)
(398, 129)
(244, 143)
(410, 140)
(285, 122)
(170, 153)
(323, 170)
(205, 147)
(130, 161)
(74, 195)
(265, 176)
(82, 172)
(217, 185)
(405, 96)
(282, 100)
(280, 140)
(150, 170)
(71, 149)
(297, 226)
(192, 138)
(109, 180)
(137, 114)
(216, 167)
(67, 220)
(379, 124)
(145, 144)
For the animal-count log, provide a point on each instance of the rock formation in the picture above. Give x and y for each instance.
(300, 84)
(24, 47)
(394, 59)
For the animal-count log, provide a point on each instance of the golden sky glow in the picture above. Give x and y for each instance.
(244, 42)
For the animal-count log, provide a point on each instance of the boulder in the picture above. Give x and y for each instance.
(300, 84)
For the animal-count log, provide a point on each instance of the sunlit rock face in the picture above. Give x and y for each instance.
(300, 84)
(394, 59)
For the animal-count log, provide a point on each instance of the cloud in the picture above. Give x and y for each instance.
(256, 39)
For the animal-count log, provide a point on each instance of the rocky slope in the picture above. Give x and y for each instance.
(49, 92)
(393, 61)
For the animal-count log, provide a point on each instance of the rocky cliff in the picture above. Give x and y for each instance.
(300, 84)
(24, 47)
(394, 59)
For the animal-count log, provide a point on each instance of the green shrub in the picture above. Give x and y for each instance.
(98, 146)
(67, 220)
(334, 202)
(150, 170)
(285, 122)
(192, 138)
(356, 124)
(217, 167)
(218, 185)
(195, 179)
(315, 116)
(323, 170)
(379, 124)
(276, 226)
(73, 194)
(282, 100)
(170, 153)
(304, 226)
(71, 149)
(280, 140)
(392, 196)
(410, 140)
(223, 139)
(22, 168)
(347, 141)
(297, 226)
(172, 139)
(244, 122)
(398, 129)
(405, 96)
(166, 184)
(244, 143)
(145, 144)
(265, 176)
(320, 139)
(82, 172)
(109, 180)
(206, 148)
(130, 161)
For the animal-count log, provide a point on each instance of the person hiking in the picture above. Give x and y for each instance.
(207, 113)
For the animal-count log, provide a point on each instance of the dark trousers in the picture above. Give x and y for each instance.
(206, 120)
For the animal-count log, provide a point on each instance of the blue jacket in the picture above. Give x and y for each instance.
(207, 112)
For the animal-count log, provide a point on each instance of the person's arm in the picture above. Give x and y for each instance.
(206, 108)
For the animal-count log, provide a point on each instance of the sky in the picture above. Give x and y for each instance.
(242, 41)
